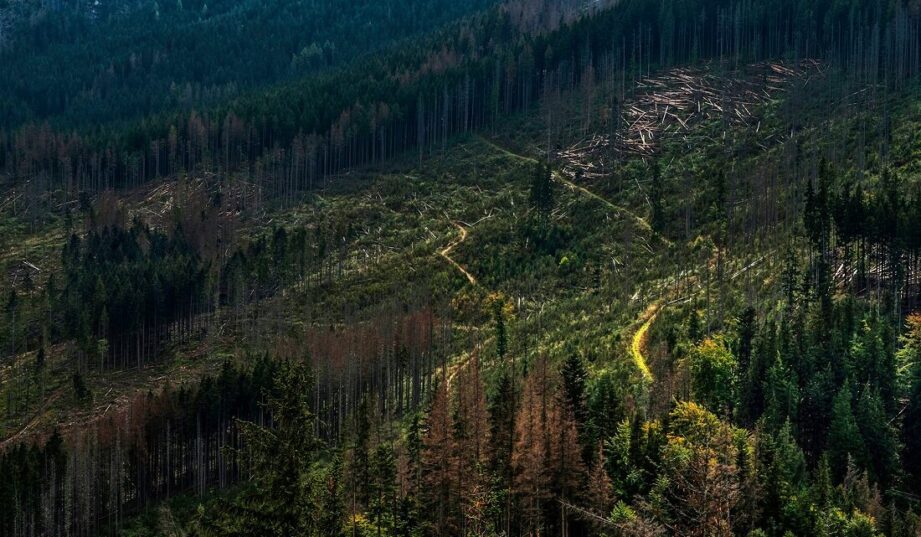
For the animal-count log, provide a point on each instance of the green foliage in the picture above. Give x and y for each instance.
(542, 190)
(579, 270)
(501, 334)
(878, 437)
(121, 60)
(282, 499)
(382, 488)
(656, 198)
(844, 439)
(714, 369)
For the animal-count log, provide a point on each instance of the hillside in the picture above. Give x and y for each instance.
(566, 285)
(104, 62)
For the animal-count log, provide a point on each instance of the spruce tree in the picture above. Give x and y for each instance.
(574, 379)
(542, 191)
(502, 427)
(878, 437)
(332, 510)
(361, 454)
(501, 334)
(911, 434)
(280, 501)
(12, 305)
(383, 479)
(844, 439)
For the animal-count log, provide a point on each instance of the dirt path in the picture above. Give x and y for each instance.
(562, 179)
(446, 253)
(458, 365)
(640, 337)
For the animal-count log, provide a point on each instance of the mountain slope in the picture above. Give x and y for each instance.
(663, 297)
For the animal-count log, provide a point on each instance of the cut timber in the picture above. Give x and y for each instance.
(687, 94)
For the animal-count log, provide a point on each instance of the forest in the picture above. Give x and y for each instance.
(480, 268)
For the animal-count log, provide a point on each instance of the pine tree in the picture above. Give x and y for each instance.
(600, 488)
(700, 478)
(332, 511)
(12, 305)
(569, 477)
(752, 389)
(542, 191)
(502, 440)
(878, 437)
(714, 371)
(502, 423)
(40, 358)
(531, 453)
(439, 468)
(574, 379)
(694, 330)
(280, 502)
(844, 439)
(910, 354)
(784, 478)
(81, 392)
(381, 488)
(471, 441)
(822, 490)
(501, 335)
(361, 455)
(745, 338)
(911, 433)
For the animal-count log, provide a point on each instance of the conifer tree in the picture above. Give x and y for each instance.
(280, 502)
(911, 435)
(911, 419)
(361, 455)
(382, 493)
(501, 334)
(574, 378)
(12, 305)
(531, 455)
(332, 511)
(438, 464)
(542, 191)
(713, 371)
(845, 442)
(471, 441)
(600, 488)
(502, 438)
(878, 437)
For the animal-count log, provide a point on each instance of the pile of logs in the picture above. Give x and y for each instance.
(156, 206)
(672, 102)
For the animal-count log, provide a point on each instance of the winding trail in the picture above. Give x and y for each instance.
(452, 370)
(446, 253)
(640, 337)
(562, 179)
